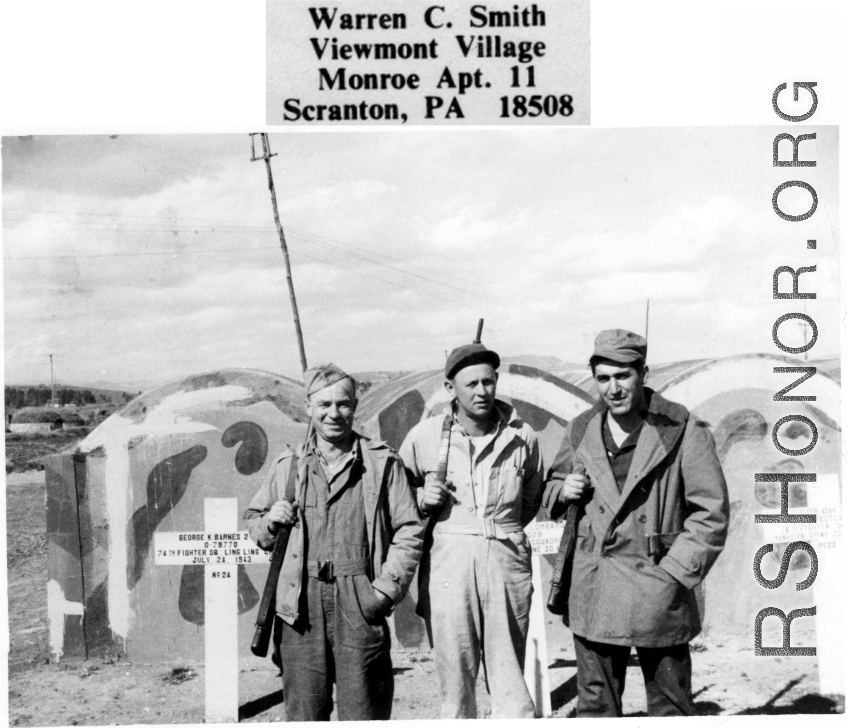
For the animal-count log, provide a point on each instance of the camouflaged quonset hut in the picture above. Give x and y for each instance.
(149, 468)
(735, 397)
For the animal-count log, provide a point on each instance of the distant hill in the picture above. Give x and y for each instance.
(367, 380)
(141, 385)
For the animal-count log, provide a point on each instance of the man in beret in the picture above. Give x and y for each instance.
(654, 511)
(476, 579)
(354, 547)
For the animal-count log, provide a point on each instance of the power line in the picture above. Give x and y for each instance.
(241, 226)
(145, 253)
(334, 245)
(249, 226)
(337, 248)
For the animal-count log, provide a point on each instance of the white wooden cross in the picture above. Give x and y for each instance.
(220, 548)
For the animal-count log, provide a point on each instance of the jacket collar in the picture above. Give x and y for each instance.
(508, 426)
(310, 447)
(505, 413)
(664, 425)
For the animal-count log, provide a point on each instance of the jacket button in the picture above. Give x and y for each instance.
(470, 509)
(602, 510)
(293, 556)
(639, 565)
(642, 518)
(607, 555)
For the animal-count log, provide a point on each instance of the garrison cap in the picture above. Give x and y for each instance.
(467, 355)
(620, 346)
(321, 376)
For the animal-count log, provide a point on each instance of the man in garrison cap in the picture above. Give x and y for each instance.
(476, 578)
(653, 518)
(354, 547)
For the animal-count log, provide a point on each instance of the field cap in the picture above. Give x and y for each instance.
(467, 355)
(321, 376)
(620, 346)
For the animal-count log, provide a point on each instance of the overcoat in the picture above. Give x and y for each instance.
(620, 594)
(394, 527)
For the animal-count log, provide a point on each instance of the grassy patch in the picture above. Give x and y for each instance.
(178, 675)
(25, 451)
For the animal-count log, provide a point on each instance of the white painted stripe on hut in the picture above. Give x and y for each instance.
(542, 394)
(114, 435)
(696, 385)
(57, 609)
(118, 500)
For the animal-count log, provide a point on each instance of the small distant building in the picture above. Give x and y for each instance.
(39, 419)
(71, 420)
(36, 419)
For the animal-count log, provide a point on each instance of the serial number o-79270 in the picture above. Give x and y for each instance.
(533, 106)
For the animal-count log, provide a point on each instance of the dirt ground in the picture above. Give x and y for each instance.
(728, 678)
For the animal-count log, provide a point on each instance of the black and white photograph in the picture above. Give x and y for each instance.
(414, 361)
(211, 339)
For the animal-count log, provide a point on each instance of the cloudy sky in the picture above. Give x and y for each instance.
(139, 259)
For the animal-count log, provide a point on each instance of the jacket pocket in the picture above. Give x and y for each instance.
(361, 622)
(660, 609)
(585, 536)
(310, 498)
(510, 484)
(373, 609)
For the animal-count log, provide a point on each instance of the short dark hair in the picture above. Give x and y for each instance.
(638, 364)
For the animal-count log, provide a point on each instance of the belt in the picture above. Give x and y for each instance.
(328, 570)
(487, 527)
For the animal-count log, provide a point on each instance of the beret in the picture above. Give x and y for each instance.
(467, 355)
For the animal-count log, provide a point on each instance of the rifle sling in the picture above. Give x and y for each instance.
(269, 593)
(444, 449)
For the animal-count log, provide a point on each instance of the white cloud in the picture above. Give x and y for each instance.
(399, 243)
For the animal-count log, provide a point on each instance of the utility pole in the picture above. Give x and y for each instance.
(266, 155)
(647, 321)
(52, 384)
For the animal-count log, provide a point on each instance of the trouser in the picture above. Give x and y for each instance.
(336, 644)
(479, 596)
(601, 676)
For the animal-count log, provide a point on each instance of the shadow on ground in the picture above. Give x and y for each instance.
(260, 705)
(809, 704)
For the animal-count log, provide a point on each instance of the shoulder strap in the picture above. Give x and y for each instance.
(444, 450)
(291, 483)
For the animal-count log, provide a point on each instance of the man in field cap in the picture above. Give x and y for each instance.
(352, 553)
(477, 470)
(653, 515)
